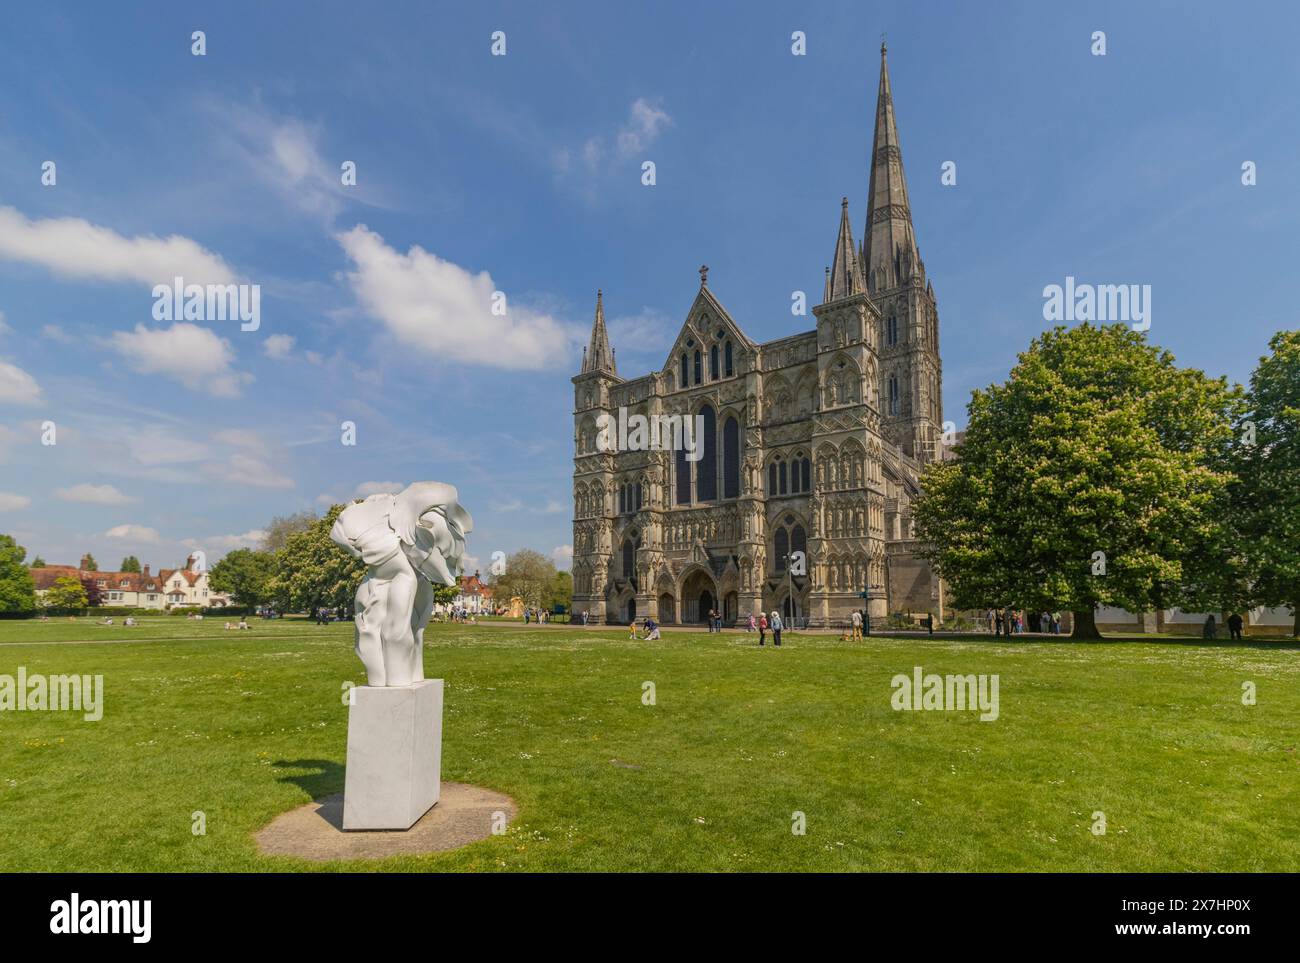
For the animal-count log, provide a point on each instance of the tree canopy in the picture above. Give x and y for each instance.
(130, 564)
(1091, 477)
(17, 589)
(529, 576)
(311, 571)
(67, 592)
(246, 574)
(1265, 495)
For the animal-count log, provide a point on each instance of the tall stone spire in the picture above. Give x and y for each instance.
(889, 252)
(845, 276)
(599, 356)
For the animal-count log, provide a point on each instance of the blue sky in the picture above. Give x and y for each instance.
(521, 174)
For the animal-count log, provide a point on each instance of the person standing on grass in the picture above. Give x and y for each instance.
(749, 626)
(1234, 625)
(856, 621)
(777, 626)
(762, 627)
(1210, 630)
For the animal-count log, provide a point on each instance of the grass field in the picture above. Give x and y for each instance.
(246, 726)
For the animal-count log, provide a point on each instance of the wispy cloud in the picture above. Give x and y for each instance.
(196, 357)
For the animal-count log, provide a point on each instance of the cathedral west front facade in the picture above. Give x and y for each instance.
(798, 498)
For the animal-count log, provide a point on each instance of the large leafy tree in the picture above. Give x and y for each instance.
(130, 564)
(67, 592)
(311, 571)
(246, 574)
(90, 586)
(17, 589)
(1265, 502)
(1091, 477)
(562, 592)
(529, 575)
(281, 527)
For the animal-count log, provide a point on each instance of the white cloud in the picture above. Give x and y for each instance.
(17, 387)
(135, 533)
(194, 356)
(239, 438)
(73, 247)
(645, 122)
(553, 507)
(93, 495)
(11, 503)
(226, 543)
(245, 469)
(377, 488)
(445, 311)
(277, 346)
(54, 333)
(562, 556)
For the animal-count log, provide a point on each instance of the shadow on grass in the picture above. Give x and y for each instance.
(325, 777)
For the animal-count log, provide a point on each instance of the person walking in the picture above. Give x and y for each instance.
(762, 628)
(1234, 625)
(749, 626)
(856, 620)
(1209, 630)
(777, 625)
(999, 622)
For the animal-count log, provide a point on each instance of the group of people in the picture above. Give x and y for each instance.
(540, 616)
(715, 620)
(108, 620)
(1211, 630)
(651, 631)
(243, 624)
(1009, 622)
(762, 623)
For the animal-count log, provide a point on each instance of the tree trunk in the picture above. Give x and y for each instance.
(1085, 626)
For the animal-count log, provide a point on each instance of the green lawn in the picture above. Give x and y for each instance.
(246, 726)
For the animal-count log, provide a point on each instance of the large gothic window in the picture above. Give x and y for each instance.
(891, 330)
(699, 366)
(781, 471)
(728, 363)
(805, 469)
(629, 558)
(706, 469)
(713, 363)
(893, 394)
(685, 382)
(782, 548)
(731, 459)
(683, 474)
(798, 540)
(771, 479)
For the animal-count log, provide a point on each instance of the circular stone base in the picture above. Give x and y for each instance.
(463, 815)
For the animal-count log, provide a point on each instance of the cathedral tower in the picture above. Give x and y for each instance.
(593, 470)
(911, 374)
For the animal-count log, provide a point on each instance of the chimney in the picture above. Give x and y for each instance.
(85, 561)
(146, 570)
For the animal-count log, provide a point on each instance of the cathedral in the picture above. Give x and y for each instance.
(797, 495)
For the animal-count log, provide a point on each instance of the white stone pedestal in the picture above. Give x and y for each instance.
(394, 766)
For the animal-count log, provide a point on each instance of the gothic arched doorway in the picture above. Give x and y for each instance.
(699, 594)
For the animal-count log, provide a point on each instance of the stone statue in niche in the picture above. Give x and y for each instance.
(410, 541)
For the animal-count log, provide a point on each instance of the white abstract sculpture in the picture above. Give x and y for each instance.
(408, 540)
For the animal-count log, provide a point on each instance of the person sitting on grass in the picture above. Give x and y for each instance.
(243, 622)
(651, 630)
